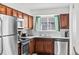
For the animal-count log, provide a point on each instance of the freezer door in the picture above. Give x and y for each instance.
(9, 24)
(10, 45)
(0, 27)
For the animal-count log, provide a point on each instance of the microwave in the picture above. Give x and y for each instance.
(20, 23)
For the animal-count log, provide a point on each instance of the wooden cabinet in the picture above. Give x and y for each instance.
(15, 13)
(49, 46)
(44, 45)
(30, 22)
(19, 48)
(2, 9)
(31, 46)
(64, 21)
(9, 11)
(20, 15)
(26, 21)
(39, 46)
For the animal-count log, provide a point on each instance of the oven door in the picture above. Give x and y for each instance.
(25, 48)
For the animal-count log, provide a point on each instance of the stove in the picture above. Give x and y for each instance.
(25, 46)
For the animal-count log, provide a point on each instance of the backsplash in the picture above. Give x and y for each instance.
(61, 33)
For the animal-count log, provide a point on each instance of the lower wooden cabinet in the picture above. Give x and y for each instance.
(48, 46)
(31, 46)
(41, 46)
(19, 48)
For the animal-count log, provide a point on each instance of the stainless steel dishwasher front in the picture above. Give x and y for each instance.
(61, 47)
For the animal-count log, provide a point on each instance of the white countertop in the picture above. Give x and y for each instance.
(29, 37)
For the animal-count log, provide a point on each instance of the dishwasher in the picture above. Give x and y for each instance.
(61, 47)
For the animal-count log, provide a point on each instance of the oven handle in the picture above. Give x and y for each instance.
(25, 43)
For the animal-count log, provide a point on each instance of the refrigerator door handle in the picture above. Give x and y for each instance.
(1, 38)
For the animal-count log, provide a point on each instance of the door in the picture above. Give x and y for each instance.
(20, 15)
(26, 21)
(39, 46)
(0, 26)
(64, 21)
(1, 40)
(1, 46)
(61, 47)
(9, 24)
(9, 11)
(15, 13)
(30, 22)
(31, 46)
(2, 9)
(47, 46)
(10, 45)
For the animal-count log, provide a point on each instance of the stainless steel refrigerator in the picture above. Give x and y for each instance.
(8, 35)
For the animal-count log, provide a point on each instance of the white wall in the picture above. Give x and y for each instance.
(50, 11)
(76, 18)
(74, 28)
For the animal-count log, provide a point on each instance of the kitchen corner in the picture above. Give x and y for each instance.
(39, 31)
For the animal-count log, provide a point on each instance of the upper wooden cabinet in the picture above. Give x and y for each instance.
(64, 21)
(20, 15)
(9, 11)
(26, 21)
(15, 13)
(2, 9)
(30, 22)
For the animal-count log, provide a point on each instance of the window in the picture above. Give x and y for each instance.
(47, 23)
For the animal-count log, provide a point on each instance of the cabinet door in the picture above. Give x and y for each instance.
(64, 21)
(31, 46)
(15, 13)
(20, 15)
(30, 22)
(19, 48)
(39, 46)
(26, 21)
(9, 11)
(49, 46)
(2, 9)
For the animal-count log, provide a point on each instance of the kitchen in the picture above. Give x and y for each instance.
(42, 29)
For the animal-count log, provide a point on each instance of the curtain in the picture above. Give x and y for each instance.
(38, 21)
(57, 24)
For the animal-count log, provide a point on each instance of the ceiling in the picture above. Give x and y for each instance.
(26, 7)
(33, 6)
